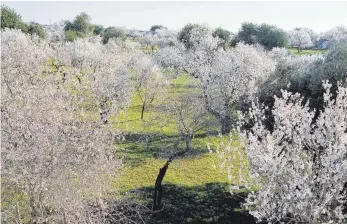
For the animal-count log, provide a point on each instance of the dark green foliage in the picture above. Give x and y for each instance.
(222, 34)
(99, 30)
(35, 28)
(81, 26)
(70, 35)
(69, 26)
(11, 19)
(185, 34)
(269, 36)
(156, 27)
(113, 32)
(248, 33)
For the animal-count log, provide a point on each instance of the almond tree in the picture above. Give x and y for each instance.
(148, 81)
(107, 71)
(234, 74)
(225, 75)
(54, 161)
(189, 114)
(336, 33)
(300, 39)
(299, 169)
(149, 40)
(304, 74)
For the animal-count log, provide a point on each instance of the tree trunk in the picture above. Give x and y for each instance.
(143, 110)
(188, 141)
(64, 77)
(158, 189)
(103, 112)
(226, 123)
(103, 117)
(79, 79)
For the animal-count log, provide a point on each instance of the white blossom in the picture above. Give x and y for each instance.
(299, 168)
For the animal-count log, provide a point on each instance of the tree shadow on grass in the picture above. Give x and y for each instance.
(137, 147)
(209, 203)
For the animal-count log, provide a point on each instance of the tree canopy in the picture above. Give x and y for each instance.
(113, 32)
(11, 19)
(81, 25)
(36, 28)
(156, 27)
(269, 36)
(99, 30)
(184, 35)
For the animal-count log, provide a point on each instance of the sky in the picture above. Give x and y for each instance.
(319, 16)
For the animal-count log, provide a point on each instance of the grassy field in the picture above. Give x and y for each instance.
(149, 142)
(191, 182)
(194, 190)
(307, 51)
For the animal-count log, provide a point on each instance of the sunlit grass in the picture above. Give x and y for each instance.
(189, 171)
(307, 51)
(151, 141)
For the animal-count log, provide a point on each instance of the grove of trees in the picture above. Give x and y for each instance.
(281, 117)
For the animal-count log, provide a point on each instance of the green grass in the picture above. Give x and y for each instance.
(191, 182)
(307, 51)
(149, 142)
(148, 49)
(190, 171)
(193, 190)
(154, 122)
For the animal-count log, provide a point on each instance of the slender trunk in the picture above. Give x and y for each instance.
(103, 117)
(158, 189)
(103, 112)
(188, 141)
(226, 123)
(143, 110)
(64, 77)
(79, 79)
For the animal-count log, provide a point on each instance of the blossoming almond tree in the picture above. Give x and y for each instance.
(300, 39)
(299, 168)
(233, 74)
(148, 81)
(190, 116)
(106, 69)
(54, 162)
(225, 75)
